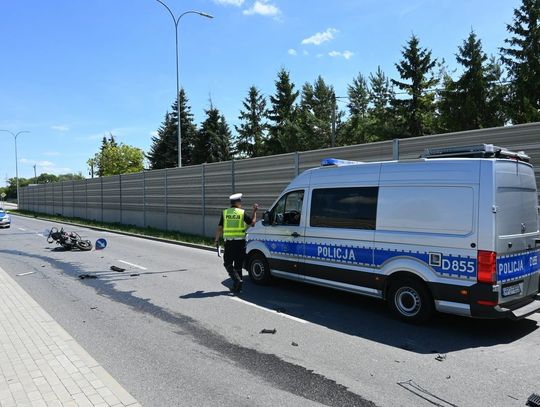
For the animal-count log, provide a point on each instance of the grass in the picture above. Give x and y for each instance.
(137, 230)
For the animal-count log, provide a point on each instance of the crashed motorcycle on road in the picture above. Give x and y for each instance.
(68, 240)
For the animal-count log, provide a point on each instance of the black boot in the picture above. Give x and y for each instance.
(237, 281)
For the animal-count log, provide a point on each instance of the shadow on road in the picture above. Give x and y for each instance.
(370, 318)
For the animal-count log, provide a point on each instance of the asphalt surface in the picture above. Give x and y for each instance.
(169, 331)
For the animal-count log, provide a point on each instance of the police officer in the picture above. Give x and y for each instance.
(233, 224)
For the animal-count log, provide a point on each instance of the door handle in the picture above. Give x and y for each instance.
(295, 234)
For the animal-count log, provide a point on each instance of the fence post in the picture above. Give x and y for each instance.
(203, 194)
(296, 163)
(120, 181)
(232, 176)
(395, 149)
(85, 199)
(144, 198)
(166, 201)
(62, 187)
(73, 199)
(101, 184)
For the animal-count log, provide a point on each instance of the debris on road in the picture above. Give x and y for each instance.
(440, 357)
(134, 275)
(419, 391)
(26, 274)
(83, 276)
(118, 269)
(269, 331)
(43, 265)
(93, 307)
(533, 400)
(294, 344)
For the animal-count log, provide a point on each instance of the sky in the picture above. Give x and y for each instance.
(73, 71)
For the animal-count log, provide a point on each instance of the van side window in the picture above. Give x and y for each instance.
(288, 209)
(348, 208)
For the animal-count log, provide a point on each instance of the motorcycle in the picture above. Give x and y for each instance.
(69, 240)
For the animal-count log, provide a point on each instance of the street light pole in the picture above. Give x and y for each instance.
(176, 22)
(16, 160)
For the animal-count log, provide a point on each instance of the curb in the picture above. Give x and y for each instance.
(119, 232)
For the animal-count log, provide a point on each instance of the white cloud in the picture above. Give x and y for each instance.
(38, 163)
(61, 127)
(236, 3)
(263, 8)
(345, 54)
(292, 51)
(319, 38)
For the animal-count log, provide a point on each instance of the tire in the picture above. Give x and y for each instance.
(259, 270)
(410, 301)
(84, 245)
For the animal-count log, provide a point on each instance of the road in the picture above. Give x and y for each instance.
(169, 331)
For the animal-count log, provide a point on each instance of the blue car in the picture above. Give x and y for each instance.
(5, 219)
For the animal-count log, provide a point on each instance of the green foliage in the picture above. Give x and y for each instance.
(282, 116)
(116, 159)
(474, 100)
(415, 69)
(164, 149)
(213, 142)
(252, 129)
(382, 118)
(522, 59)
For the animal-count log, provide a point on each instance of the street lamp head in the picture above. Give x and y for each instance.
(205, 14)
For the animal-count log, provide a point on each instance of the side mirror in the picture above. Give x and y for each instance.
(266, 218)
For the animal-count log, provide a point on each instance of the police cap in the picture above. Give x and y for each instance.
(235, 197)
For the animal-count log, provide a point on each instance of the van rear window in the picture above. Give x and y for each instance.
(348, 208)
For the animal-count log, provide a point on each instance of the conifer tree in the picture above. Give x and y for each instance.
(281, 115)
(213, 140)
(354, 129)
(522, 59)
(164, 149)
(415, 70)
(252, 129)
(382, 118)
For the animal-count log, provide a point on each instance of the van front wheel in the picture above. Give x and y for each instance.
(258, 269)
(410, 301)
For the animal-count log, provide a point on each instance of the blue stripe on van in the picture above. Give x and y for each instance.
(516, 266)
(448, 265)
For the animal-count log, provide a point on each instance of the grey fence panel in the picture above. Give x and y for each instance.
(262, 179)
(94, 200)
(156, 208)
(190, 199)
(133, 199)
(67, 201)
(79, 199)
(112, 204)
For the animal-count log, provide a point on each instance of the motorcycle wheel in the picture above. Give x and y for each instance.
(84, 245)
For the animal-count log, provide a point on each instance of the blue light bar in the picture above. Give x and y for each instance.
(328, 162)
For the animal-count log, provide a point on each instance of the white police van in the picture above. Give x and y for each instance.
(455, 231)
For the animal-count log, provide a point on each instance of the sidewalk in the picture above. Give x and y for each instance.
(42, 365)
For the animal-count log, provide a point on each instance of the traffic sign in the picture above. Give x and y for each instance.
(101, 244)
(3, 195)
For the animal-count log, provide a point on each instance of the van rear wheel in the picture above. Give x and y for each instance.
(410, 301)
(259, 270)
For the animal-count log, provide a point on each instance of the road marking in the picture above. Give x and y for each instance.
(40, 234)
(133, 265)
(26, 274)
(270, 310)
(24, 230)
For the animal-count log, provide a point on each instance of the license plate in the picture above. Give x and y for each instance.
(511, 290)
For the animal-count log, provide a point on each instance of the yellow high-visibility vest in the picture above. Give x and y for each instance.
(233, 224)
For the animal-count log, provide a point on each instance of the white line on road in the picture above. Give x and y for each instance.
(133, 265)
(24, 230)
(270, 310)
(40, 234)
(26, 274)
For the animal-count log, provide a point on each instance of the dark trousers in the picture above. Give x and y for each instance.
(233, 258)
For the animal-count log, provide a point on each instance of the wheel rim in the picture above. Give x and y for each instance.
(408, 301)
(257, 269)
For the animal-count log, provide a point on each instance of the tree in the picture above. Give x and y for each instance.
(164, 149)
(474, 100)
(281, 114)
(415, 69)
(318, 113)
(115, 159)
(252, 129)
(354, 129)
(522, 58)
(213, 140)
(382, 118)
(11, 188)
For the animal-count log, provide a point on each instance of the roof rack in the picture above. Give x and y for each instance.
(475, 151)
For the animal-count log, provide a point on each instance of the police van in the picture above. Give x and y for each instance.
(455, 231)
